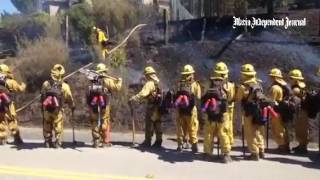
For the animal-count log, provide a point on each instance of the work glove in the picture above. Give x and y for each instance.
(119, 80)
(23, 85)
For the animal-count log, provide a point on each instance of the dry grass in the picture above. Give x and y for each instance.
(36, 58)
(118, 15)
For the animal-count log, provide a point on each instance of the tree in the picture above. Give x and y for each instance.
(26, 6)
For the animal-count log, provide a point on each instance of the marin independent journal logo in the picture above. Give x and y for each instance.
(258, 22)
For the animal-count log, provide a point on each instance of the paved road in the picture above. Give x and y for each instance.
(121, 162)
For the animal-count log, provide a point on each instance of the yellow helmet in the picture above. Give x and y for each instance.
(275, 72)
(5, 69)
(248, 70)
(221, 68)
(318, 72)
(57, 72)
(101, 68)
(149, 70)
(296, 74)
(187, 69)
(58, 69)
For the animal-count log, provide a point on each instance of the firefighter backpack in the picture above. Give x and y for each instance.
(97, 95)
(214, 102)
(184, 99)
(166, 102)
(5, 99)
(288, 106)
(258, 105)
(52, 99)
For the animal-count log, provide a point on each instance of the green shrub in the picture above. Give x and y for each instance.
(118, 58)
(82, 21)
(27, 26)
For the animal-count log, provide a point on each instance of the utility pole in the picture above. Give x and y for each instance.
(245, 15)
(67, 31)
(201, 7)
(204, 26)
(166, 26)
(270, 6)
(319, 26)
(67, 24)
(156, 5)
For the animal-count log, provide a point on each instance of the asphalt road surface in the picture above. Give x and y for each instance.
(32, 161)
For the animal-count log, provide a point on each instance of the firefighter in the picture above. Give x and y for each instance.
(279, 93)
(151, 93)
(216, 108)
(188, 94)
(8, 116)
(54, 93)
(102, 39)
(298, 85)
(222, 69)
(99, 94)
(253, 130)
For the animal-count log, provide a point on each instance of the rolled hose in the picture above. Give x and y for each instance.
(98, 100)
(4, 97)
(212, 103)
(266, 111)
(182, 100)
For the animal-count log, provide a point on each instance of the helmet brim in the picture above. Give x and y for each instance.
(297, 78)
(102, 70)
(274, 75)
(216, 78)
(149, 73)
(280, 81)
(221, 72)
(187, 73)
(249, 73)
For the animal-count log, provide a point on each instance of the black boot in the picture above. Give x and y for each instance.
(227, 158)
(3, 142)
(48, 144)
(179, 148)
(57, 145)
(96, 143)
(194, 147)
(157, 144)
(262, 155)
(207, 157)
(17, 139)
(300, 149)
(108, 144)
(283, 149)
(253, 157)
(186, 145)
(146, 143)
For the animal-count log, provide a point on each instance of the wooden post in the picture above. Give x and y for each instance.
(156, 5)
(166, 26)
(67, 31)
(201, 7)
(192, 7)
(270, 8)
(204, 26)
(246, 15)
(67, 24)
(319, 28)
